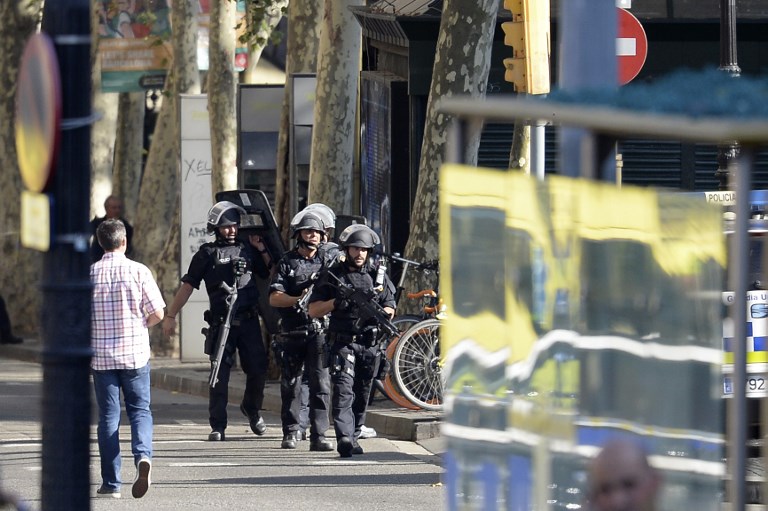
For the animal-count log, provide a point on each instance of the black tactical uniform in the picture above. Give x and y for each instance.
(214, 263)
(354, 347)
(301, 349)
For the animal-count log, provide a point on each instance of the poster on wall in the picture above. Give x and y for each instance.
(134, 44)
(203, 26)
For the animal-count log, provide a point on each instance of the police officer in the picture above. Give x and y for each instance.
(301, 341)
(353, 344)
(228, 260)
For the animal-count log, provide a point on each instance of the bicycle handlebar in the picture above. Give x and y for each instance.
(426, 266)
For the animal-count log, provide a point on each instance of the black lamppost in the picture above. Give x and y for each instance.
(727, 153)
(66, 314)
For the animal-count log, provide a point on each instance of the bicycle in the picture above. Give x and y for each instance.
(416, 365)
(404, 322)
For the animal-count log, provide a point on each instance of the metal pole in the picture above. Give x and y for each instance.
(728, 63)
(538, 152)
(587, 60)
(66, 309)
(738, 276)
(454, 152)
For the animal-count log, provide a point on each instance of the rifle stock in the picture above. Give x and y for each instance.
(221, 341)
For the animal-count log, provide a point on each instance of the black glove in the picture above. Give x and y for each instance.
(341, 304)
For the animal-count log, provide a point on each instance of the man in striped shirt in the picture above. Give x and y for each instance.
(126, 302)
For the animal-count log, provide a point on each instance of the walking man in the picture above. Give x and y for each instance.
(302, 339)
(226, 263)
(354, 343)
(126, 302)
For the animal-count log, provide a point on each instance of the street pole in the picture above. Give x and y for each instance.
(587, 60)
(727, 153)
(66, 308)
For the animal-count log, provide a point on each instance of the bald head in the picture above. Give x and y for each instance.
(620, 479)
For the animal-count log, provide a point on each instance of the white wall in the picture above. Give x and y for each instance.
(196, 200)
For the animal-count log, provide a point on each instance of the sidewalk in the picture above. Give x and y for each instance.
(192, 378)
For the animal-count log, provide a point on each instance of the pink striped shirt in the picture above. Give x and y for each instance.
(124, 294)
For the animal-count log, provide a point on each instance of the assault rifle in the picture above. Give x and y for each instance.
(367, 307)
(330, 254)
(221, 340)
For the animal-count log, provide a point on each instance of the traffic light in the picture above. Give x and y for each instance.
(528, 35)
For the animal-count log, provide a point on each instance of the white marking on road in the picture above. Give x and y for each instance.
(626, 46)
(36, 443)
(155, 441)
(339, 461)
(206, 464)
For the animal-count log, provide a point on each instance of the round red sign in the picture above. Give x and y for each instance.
(38, 112)
(631, 46)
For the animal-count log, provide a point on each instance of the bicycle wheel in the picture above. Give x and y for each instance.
(416, 365)
(388, 386)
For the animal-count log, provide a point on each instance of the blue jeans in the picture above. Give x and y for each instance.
(136, 393)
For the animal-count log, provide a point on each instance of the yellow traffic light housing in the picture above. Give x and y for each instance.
(528, 35)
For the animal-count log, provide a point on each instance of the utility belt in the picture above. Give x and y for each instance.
(366, 338)
(241, 315)
(315, 327)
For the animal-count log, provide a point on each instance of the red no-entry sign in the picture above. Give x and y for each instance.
(631, 46)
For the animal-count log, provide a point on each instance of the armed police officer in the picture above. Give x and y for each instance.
(227, 266)
(302, 339)
(350, 291)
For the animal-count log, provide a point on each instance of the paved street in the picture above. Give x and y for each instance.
(245, 472)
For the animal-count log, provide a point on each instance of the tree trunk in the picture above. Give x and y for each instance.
(262, 20)
(159, 184)
(129, 147)
(462, 62)
(21, 268)
(103, 132)
(303, 37)
(520, 152)
(186, 80)
(221, 96)
(335, 128)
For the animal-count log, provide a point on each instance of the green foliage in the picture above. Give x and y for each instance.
(258, 31)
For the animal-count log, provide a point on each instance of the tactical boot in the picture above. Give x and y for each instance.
(321, 444)
(217, 435)
(344, 446)
(289, 441)
(11, 339)
(258, 426)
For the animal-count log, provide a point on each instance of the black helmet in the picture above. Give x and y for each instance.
(308, 221)
(222, 214)
(325, 214)
(359, 235)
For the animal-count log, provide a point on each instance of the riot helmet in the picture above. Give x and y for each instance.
(222, 214)
(359, 235)
(325, 213)
(308, 222)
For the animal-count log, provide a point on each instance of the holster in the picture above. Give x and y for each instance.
(343, 363)
(211, 333)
